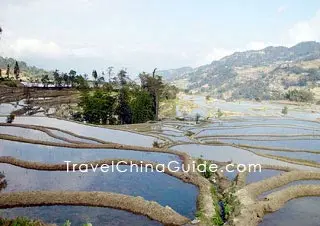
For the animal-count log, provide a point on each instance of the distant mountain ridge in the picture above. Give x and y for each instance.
(29, 71)
(262, 73)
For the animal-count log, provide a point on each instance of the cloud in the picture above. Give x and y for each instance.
(307, 30)
(256, 45)
(282, 9)
(23, 47)
(217, 54)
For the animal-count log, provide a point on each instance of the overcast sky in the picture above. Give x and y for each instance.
(143, 34)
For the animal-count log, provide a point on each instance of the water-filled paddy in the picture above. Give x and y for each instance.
(155, 186)
(294, 155)
(258, 130)
(299, 182)
(302, 211)
(49, 154)
(79, 215)
(264, 174)
(28, 133)
(70, 137)
(228, 153)
(311, 144)
(116, 136)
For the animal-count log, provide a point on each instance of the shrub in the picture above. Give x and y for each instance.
(156, 144)
(204, 168)
(299, 95)
(197, 118)
(10, 118)
(9, 83)
(219, 113)
(284, 110)
(189, 133)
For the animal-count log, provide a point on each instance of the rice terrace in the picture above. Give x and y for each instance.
(232, 142)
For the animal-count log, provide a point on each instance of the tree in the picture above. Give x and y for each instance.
(153, 84)
(123, 110)
(219, 113)
(16, 70)
(197, 118)
(284, 111)
(99, 107)
(142, 107)
(95, 77)
(45, 80)
(81, 82)
(72, 77)
(0, 73)
(57, 78)
(66, 79)
(110, 73)
(8, 71)
(299, 95)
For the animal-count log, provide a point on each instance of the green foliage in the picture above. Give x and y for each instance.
(98, 107)
(299, 95)
(197, 118)
(204, 168)
(284, 110)
(67, 223)
(10, 118)
(156, 144)
(189, 133)
(8, 82)
(45, 80)
(141, 106)
(16, 70)
(219, 113)
(20, 221)
(23, 67)
(154, 86)
(169, 92)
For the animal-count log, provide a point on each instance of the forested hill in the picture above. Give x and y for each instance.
(28, 71)
(265, 74)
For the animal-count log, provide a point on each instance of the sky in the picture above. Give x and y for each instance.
(140, 35)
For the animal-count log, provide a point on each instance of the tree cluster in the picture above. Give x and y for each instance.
(122, 101)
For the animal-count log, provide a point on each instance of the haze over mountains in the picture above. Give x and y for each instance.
(265, 73)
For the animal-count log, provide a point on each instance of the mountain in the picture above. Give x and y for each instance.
(264, 74)
(26, 71)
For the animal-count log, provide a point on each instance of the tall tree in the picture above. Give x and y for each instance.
(0, 73)
(16, 70)
(153, 84)
(72, 77)
(66, 79)
(45, 80)
(95, 77)
(8, 71)
(57, 78)
(110, 73)
(123, 110)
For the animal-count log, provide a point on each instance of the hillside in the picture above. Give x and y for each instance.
(27, 72)
(265, 74)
